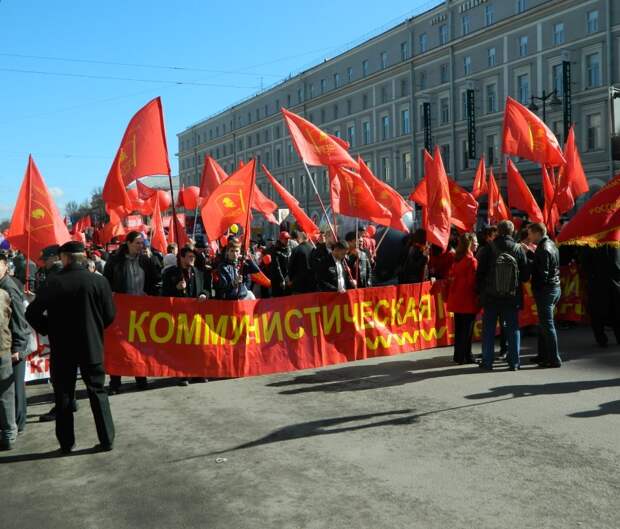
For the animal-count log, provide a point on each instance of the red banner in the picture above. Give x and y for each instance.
(171, 337)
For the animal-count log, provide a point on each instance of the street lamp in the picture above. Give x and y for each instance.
(555, 102)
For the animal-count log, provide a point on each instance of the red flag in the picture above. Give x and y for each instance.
(497, 207)
(228, 204)
(158, 236)
(351, 196)
(212, 176)
(464, 207)
(305, 222)
(145, 192)
(572, 181)
(550, 212)
(526, 135)
(386, 196)
(264, 205)
(175, 227)
(597, 222)
(520, 196)
(439, 209)
(112, 229)
(36, 221)
(418, 195)
(143, 152)
(480, 180)
(314, 146)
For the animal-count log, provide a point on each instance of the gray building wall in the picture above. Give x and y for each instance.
(374, 85)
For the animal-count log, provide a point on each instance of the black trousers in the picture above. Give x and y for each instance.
(463, 335)
(604, 309)
(64, 373)
(19, 374)
(115, 381)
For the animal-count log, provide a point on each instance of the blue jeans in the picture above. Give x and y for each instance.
(510, 316)
(546, 300)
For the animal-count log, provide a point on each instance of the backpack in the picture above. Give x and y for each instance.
(504, 279)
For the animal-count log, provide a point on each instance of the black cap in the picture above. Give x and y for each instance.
(50, 251)
(72, 247)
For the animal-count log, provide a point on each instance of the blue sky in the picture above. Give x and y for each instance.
(73, 123)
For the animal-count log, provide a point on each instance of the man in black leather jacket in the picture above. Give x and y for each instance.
(545, 267)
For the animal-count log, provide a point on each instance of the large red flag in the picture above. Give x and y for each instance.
(305, 222)
(497, 207)
(526, 135)
(598, 221)
(439, 209)
(177, 227)
(520, 196)
(143, 152)
(550, 211)
(212, 176)
(572, 181)
(418, 195)
(314, 146)
(158, 236)
(145, 192)
(480, 180)
(464, 207)
(228, 204)
(386, 196)
(36, 221)
(264, 205)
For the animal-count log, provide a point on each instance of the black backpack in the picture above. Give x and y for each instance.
(504, 277)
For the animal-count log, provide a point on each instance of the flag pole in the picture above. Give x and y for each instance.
(248, 220)
(27, 287)
(381, 240)
(316, 192)
(195, 219)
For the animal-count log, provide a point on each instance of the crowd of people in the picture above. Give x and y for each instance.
(69, 297)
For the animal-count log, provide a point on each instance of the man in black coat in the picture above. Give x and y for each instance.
(301, 276)
(278, 271)
(131, 271)
(19, 340)
(333, 274)
(73, 309)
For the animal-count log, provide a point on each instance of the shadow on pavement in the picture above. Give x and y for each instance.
(555, 388)
(608, 408)
(38, 456)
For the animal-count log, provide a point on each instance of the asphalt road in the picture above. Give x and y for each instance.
(411, 441)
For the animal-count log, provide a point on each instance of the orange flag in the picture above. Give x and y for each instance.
(439, 209)
(314, 146)
(520, 196)
(480, 181)
(497, 207)
(305, 222)
(526, 135)
(228, 204)
(212, 176)
(351, 196)
(597, 222)
(550, 211)
(143, 152)
(572, 181)
(158, 236)
(386, 196)
(36, 221)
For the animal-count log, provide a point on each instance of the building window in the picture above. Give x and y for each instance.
(520, 6)
(351, 135)
(349, 107)
(467, 65)
(385, 169)
(445, 154)
(384, 60)
(277, 129)
(523, 46)
(385, 128)
(322, 115)
(366, 132)
(365, 68)
(323, 85)
(491, 150)
(336, 80)
(523, 88)
(350, 74)
(278, 158)
(489, 14)
(267, 158)
(491, 57)
(335, 110)
(443, 34)
(558, 127)
(406, 165)
(266, 112)
(444, 111)
(365, 101)
(593, 127)
(311, 90)
(277, 108)
(443, 73)
(265, 137)
(404, 51)
(384, 94)
(464, 24)
(593, 70)
(288, 100)
(240, 143)
(422, 77)
(300, 95)
(249, 142)
(592, 19)
(404, 88)
(557, 79)
(405, 124)
(491, 98)
(558, 33)
(423, 38)
(465, 155)
(289, 147)
(464, 105)
(257, 138)
(291, 186)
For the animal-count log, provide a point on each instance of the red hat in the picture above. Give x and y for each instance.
(284, 236)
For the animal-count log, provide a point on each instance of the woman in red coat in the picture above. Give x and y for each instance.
(462, 297)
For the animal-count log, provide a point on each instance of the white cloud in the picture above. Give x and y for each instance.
(56, 192)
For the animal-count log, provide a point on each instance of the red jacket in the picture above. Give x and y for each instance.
(462, 297)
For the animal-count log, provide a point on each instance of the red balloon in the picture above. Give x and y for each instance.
(164, 199)
(371, 231)
(190, 197)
